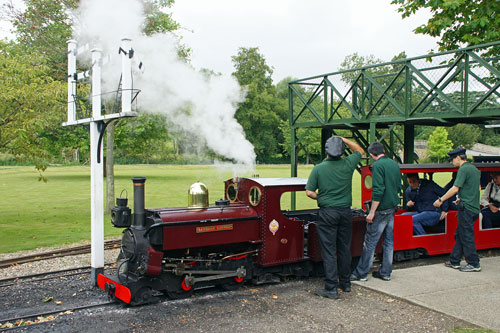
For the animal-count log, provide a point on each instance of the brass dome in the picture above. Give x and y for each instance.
(198, 196)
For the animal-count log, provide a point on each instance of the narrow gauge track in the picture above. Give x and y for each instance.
(47, 275)
(48, 313)
(57, 254)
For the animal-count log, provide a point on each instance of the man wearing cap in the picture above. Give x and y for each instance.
(332, 178)
(467, 185)
(380, 220)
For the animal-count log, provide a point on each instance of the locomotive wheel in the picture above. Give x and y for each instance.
(143, 295)
(179, 294)
(231, 284)
(182, 291)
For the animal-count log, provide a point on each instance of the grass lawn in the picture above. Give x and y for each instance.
(35, 214)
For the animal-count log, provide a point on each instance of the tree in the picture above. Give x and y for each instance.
(457, 22)
(464, 135)
(260, 114)
(31, 102)
(354, 61)
(250, 67)
(141, 139)
(490, 137)
(438, 144)
(44, 26)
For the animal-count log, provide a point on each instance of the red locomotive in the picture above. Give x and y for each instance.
(247, 237)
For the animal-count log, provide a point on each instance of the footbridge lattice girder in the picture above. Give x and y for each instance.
(437, 89)
(374, 102)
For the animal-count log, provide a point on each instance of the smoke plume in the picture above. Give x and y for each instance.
(201, 105)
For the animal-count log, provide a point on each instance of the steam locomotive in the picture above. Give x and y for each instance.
(248, 237)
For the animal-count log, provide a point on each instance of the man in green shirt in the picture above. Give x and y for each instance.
(333, 180)
(467, 185)
(380, 220)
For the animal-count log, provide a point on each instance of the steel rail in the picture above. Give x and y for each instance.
(56, 254)
(47, 313)
(33, 277)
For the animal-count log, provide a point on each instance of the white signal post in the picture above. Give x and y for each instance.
(71, 80)
(96, 173)
(126, 75)
(97, 127)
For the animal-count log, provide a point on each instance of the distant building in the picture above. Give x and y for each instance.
(483, 150)
(477, 149)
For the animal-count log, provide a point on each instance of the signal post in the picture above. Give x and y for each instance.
(98, 122)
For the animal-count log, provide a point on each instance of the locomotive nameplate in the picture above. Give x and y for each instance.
(222, 227)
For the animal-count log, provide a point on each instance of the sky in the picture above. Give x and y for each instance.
(298, 38)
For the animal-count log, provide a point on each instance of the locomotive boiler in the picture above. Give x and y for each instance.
(245, 236)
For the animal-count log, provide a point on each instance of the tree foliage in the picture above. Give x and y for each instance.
(464, 135)
(457, 23)
(43, 27)
(439, 144)
(251, 67)
(142, 138)
(33, 72)
(261, 112)
(354, 61)
(32, 101)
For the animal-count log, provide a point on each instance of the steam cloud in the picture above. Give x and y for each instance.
(199, 104)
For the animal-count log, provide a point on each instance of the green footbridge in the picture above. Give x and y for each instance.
(385, 102)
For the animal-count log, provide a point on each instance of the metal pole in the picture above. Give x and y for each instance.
(96, 174)
(127, 54)
(293, 147)
(409, 144)
(71, 80)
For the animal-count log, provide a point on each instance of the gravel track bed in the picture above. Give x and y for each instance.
(287, 307)
(53, 264)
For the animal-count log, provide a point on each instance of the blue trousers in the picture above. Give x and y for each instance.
(489, 217)
(335, 233)
(425, 218)
(383, 225)
(464, 239)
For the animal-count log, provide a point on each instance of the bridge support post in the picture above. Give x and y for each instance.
(409, 143)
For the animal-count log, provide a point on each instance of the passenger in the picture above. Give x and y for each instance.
(451, 201)
(333, 180)
(420, 196)
(467, 187)
(490, 200)
(380, 220)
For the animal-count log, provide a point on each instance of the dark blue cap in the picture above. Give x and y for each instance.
(455, 152)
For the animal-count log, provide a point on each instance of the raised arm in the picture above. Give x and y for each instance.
(353, 146)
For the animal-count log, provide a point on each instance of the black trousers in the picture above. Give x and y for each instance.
(335, 233)
(464, 239)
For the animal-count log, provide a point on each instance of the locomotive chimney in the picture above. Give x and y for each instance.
(139, 201)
